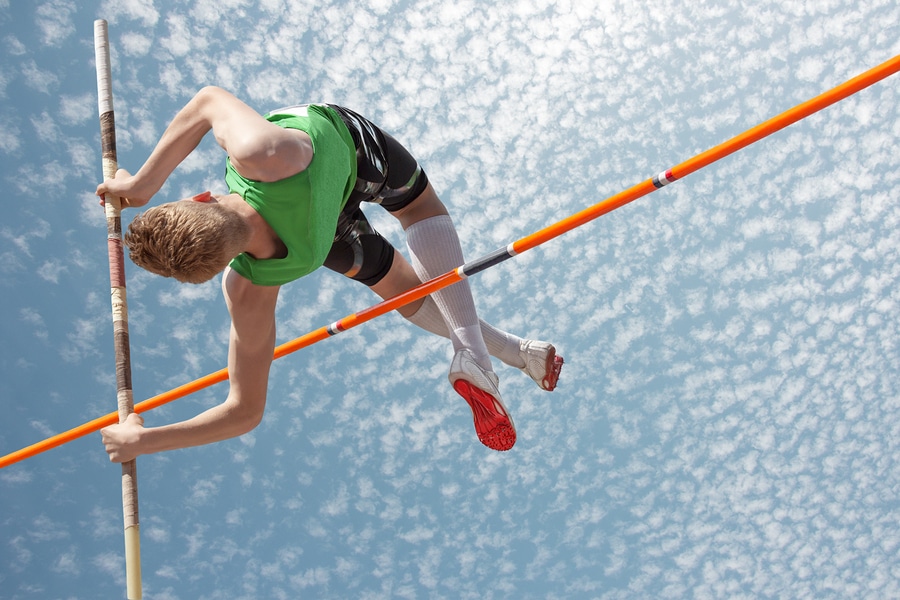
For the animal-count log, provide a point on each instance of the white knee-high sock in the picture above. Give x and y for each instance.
(500, 344)
(434, 248)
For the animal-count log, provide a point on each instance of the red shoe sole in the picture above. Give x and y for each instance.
(494, 429)
(554, 366)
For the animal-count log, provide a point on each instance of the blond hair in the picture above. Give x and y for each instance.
(190, 241)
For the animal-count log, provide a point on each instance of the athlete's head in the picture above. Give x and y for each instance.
(191, 241)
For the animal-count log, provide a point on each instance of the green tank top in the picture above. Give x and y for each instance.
(302, 209)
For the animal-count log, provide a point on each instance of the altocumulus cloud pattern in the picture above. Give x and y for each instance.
(728, 419)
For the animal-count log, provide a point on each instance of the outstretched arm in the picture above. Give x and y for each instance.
(250, 350)
(258, 149)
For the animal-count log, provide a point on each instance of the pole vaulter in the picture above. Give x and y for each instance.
(124, 394)
(704, 159)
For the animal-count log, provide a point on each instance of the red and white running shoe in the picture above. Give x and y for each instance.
(481, 390)
(542, 363)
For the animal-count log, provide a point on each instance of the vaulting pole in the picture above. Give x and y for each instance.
(124, 394)
(679, 171)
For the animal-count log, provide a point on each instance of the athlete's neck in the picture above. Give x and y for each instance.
(263, 242)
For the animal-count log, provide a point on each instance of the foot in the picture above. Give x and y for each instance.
(541, 363)
(480, 389)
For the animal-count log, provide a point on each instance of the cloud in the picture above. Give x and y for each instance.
(38, 79)
(120, 11)
(10, 137)
(50, 271)
(55, 21)
(730, 340)
(16, 476)
(67, 564)
(39, 229)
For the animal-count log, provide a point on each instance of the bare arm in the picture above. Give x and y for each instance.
(259, 150)
(250, 350)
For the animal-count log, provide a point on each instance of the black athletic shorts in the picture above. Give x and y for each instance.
(388, 175)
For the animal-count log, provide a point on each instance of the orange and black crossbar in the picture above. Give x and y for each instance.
(664, 178)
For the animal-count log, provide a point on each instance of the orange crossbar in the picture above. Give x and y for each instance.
(789, 117)
(704, 159)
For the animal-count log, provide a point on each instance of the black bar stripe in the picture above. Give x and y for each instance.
(486, 262)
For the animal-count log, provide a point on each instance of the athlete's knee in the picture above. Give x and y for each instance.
(366, 258)
(425, 205)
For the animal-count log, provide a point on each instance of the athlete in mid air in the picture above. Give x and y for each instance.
(296, 178)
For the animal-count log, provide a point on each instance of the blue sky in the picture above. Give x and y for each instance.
(728, 419)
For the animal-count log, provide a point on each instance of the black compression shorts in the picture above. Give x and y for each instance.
(388, 175)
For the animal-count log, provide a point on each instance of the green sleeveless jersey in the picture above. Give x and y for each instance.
(302, 209)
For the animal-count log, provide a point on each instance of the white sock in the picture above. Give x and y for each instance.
(500, 344)
(434, 249)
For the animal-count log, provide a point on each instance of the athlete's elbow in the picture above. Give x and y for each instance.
(209, 93)
(250, 421)
(245, 418)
